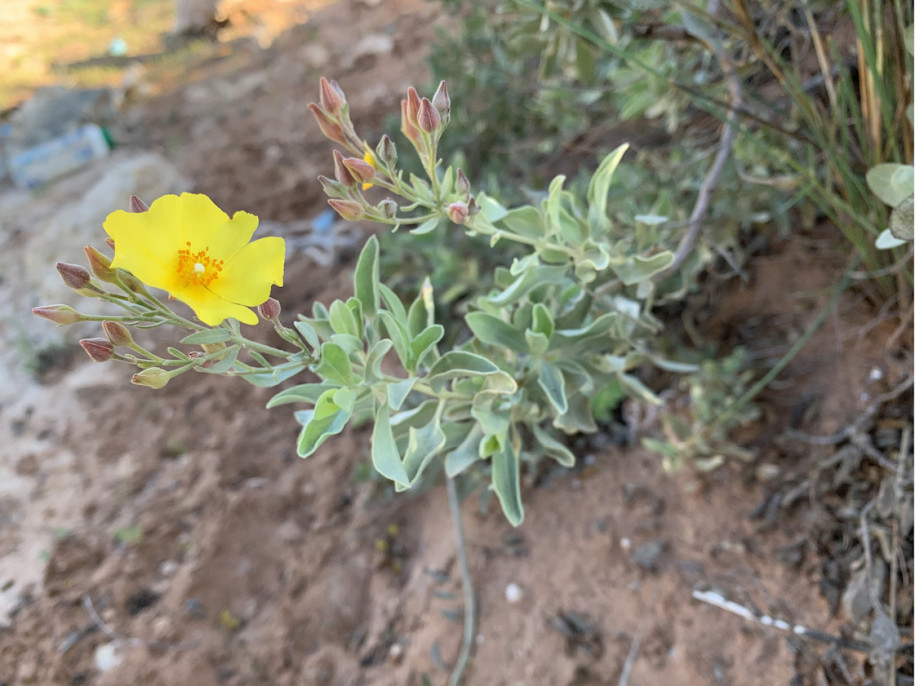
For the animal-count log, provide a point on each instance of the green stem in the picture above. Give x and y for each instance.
(466, 583)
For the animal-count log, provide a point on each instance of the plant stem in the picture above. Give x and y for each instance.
(466, 583)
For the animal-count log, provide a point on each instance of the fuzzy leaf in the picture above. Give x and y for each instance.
(327, 419)
(493, 331)
(385, 456)
(365, 278)
(466, 453)
(218, 335)
(303, 393)
(335, 365)
(506, 482)
(553, 384)
(599, 189)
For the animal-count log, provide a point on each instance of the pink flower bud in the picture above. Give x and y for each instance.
(461, 184)
(333, 189)
(341, 172)
(413, 104)
(386, 151)
(360, 169)
(99, 349)
(100, 264)
(332, 98)
(137, 205)
(75, 276)
(117, 333)
(330, 128)
(59, 314)
(441, 101)
(154, 377)
(348, 209)
(458, 212)
(270, 309)
(428, 119)
(406, 126)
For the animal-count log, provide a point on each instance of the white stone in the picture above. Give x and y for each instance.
(108, 656)
(513, 593)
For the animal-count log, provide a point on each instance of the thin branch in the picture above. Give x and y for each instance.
(466, 583)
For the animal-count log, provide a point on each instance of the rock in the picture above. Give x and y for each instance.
(194, 16)
(55, 111)
(108, 656)
(646, 555)
(513, 593)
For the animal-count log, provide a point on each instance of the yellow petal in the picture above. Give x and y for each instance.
(232, 236)
(211, 309)
(144, 245)
(247, 277)
(197, 217)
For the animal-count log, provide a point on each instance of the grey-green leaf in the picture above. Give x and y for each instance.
(506, 481)
(553, 384)
(208, 336)
(385, 455)
(494, 331)
(365, 278)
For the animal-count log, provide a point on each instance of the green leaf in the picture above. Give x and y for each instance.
(398, 392)
(208, 336)
(638, 390)
(392, 302)
(901, 220)
(892, 183)
(374, 358)
(466, 453)
(491, 209)
(423, 444)
(276, 376)
(424, 342)
(342, 319)
(525, 221)
(600, 327)
(553, 447)
(308, 333)
(636, 268)
(422, 310)
(335, 365)
(599, 189)
(385, 456)
(578, 418)
(493, 331)
(303, 393)
(397, 332)
(458, 363)
(506, 482)
(553, 384)
(543, 320)
(537, 343)
(526, 281)
(327, 419)
(427, 226)
(365, 278)
(226, 362)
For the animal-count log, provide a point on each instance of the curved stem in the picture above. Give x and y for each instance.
(466, 583)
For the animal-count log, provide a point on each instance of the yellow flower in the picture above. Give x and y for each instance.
(370, 158)
(190, 248)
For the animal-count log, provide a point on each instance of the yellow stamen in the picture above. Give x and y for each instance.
(197, 267)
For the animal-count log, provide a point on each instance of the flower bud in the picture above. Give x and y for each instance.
(406, 126)
(428, 119)
(59, 314)
(99, 349)
(332, 98)
(472, 207)
(386, 151)
(74, 276)
(362, 170)
(100, 265)
(330, 128)
(132, 283)
(388, 208)
(137, 205)
(109, 241)
(461, 184)
(348, 209)
(413, 104)
(269, 309)
(333, 189)
(442, 102)
(154, 377)
(117, 333)
(341, 173)
(458, 212)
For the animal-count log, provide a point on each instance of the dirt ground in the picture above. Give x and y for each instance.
(178, 530)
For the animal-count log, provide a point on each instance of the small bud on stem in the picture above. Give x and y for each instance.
(458, 212)
(59, 314)
(360, 169)
(74, 276)
(386, 151)
(117, 333)
(462, 185)
(428, 119)
(332, 98)
(99, 349)
(154, 377)
(348, 209)
(100, 265)
(442, 101)
(341, 173)
(329, 127)
(269, 309)
(137, 205)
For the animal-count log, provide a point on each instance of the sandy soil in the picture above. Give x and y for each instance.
(179, 530)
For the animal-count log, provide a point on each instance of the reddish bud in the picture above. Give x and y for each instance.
(360, 169)
(330, 128)
(332, 98)
(132, 283)
(386, 151)
(270, 309)
(100, 265)
(428, 119)
(75, 276)
(472, 207)
(117, 333)
(59, 314)
(461, 184)
(458, 212)
(99, 349)
(441, 101)
(109, 242)
(406, 126)
(341, 173)
(413, 104)
(348, 209)
(137, 205)
(154, 377)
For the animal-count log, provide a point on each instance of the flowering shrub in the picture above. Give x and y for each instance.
(569, 318)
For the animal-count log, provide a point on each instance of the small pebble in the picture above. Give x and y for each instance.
(625, 543)
(513, 593)
(108, 656)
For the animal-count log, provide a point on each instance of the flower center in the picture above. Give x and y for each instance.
(197, 268)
